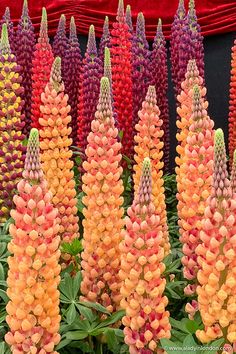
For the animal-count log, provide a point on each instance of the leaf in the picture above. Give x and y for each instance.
(170, 347)
(84, 346)
(191, 326)
(178, 324)
(71, 314)
(76, 335)
(4, 296)
(212, 346)
(63, 343)
(95, 306)
(87, 313)
(115, 317)
(112, 341)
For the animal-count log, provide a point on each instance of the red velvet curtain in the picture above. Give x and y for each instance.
(215, 16)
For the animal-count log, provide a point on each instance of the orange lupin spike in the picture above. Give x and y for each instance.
(149, 144)
(56, 154)
(103, 210)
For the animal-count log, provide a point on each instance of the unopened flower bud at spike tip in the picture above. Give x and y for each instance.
(62, 22)
(5, 46)
(25, 9)
(55, 76)
(72, 26)
(44, 23)
(120, 11)
(91, 46)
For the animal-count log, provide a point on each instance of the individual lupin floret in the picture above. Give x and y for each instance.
(72, 77)
(140, 66)
(103, 212)
(216, 255)
(92, 69)
(6, 18)
(56, 154)
(159, 79)
(42, 63)
(149, 144)
(105, 40)
(196, 176)
(25, 39)
(60, 44)
(121, 59)
(146, 320)
(12, 150)
(34, 271)
(232, 105)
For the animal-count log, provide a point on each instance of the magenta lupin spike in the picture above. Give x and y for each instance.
(159, 79)
(105, 39)
(72, 77)
(25, 38)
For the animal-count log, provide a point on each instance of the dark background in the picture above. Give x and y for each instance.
(217, 77)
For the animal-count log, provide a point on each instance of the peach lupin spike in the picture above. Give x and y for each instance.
(217, 256)
(146, 320)
(196, 173)
(103, 210)
(148, 143)
(56, 154)
(34, 272)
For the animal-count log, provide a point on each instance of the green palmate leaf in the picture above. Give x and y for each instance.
(115, 317)
(3, 296)
(87, 313)
(112, 341)
(69, 287)
(83, 346)
(63, 343)
(2, 273)
(73, 248)
(76, 335)
(179, 325)
(71, 314)
(80, 205)
(95, 306)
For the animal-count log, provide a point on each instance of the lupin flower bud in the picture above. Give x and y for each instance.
(232, 105)
(128, 18)
(105, 40)
(60, 44)
(12, 150)
(140, 66)
(121, 58)
(34, 272)
(107, 68)
(25, 39)
(92, 69)
(149, 144)
(177, 32)
(233, 174)
(72, 76)
(42, 63)
(56, 154)
(216, 255)
(146, 320)
(6, 18)
(103, 212)
(159, 79)
(196, 177)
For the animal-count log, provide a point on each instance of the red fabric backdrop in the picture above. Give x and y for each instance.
(215, 16)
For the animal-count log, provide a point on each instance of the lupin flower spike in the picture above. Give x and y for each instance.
(159, 79)
(72, 77)
(34, 272)
(10, 29)
(121, 54)
(232, 105)
(216, 256)
(103, 212)
(128, 18)
(149, 143)
(56, 154)
(105, 40)
(60, 43)
(196, 176)
(42, 62)
(140, 64)
(12, 150)
(233, 174)
(92, 69)
(25, 38)
(146, 320)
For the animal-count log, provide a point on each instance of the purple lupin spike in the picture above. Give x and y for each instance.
(105, 39)
(177, 36)
(72, 75)
(92, 70)
(60, 43)
(128, 18)
(6, 18)
(196, 38)
(141, 59)
(25, 39)
(159, 79)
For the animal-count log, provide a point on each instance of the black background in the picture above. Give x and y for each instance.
(217, 76)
